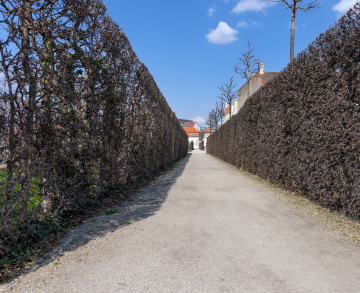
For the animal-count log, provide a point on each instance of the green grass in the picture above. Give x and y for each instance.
(3, 176)
(34, 200)
(110, 211)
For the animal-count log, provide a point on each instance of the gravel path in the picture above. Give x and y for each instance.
(203, 227)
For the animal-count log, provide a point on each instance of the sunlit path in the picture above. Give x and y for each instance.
(203, 227)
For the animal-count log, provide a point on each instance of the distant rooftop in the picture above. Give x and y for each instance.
(182, 121)
(188, 124)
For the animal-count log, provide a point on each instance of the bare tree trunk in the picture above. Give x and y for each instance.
(249, 87)
(222, 107)
(46, 144)
(292, 32)
(11, 129)
(30, 82)
(294, 6)
(227, 94)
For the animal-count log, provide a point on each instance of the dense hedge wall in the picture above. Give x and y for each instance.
(302, 129)
(80, 114)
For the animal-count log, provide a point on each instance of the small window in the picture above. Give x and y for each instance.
(192, 134)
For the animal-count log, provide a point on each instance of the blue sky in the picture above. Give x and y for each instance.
(191, 46)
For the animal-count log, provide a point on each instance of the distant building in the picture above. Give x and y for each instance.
(191, 124)
(257, 80)
(182, 121)
(193, 135)
(227, 113)
(204, 134)
(196, 134)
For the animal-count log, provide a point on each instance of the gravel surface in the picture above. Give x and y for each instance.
(202, 227)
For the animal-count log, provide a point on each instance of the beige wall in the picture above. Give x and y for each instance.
(227, 117)
(243, 93)
(236, 105)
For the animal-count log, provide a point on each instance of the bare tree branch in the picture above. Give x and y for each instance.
(215, 115)
(248, 64)
(227, 93)
(294, 6)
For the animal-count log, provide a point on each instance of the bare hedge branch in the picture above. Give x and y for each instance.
(80, 114)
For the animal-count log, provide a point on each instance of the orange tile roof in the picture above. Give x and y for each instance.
(188, 124)
(228, 110)
(207, 130)
(191, 130)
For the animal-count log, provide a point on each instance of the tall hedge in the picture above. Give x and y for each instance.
(302, 129)
(80, 114)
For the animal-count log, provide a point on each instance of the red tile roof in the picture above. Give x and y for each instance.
(207, 130)
(228, 110)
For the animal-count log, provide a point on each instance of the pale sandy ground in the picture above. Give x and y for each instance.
(203, 227)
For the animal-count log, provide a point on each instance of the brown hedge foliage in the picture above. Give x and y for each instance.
(80, 114)
(302, 129)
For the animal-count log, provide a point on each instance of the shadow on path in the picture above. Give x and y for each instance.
(140, 206)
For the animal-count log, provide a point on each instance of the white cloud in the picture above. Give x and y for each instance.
(199, 120)
(344, 5)
(250, 5)
(254, 23)
(211, 10)
(244, 23)
(223, 34)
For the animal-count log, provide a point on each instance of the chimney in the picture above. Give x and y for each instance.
(261, 67)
